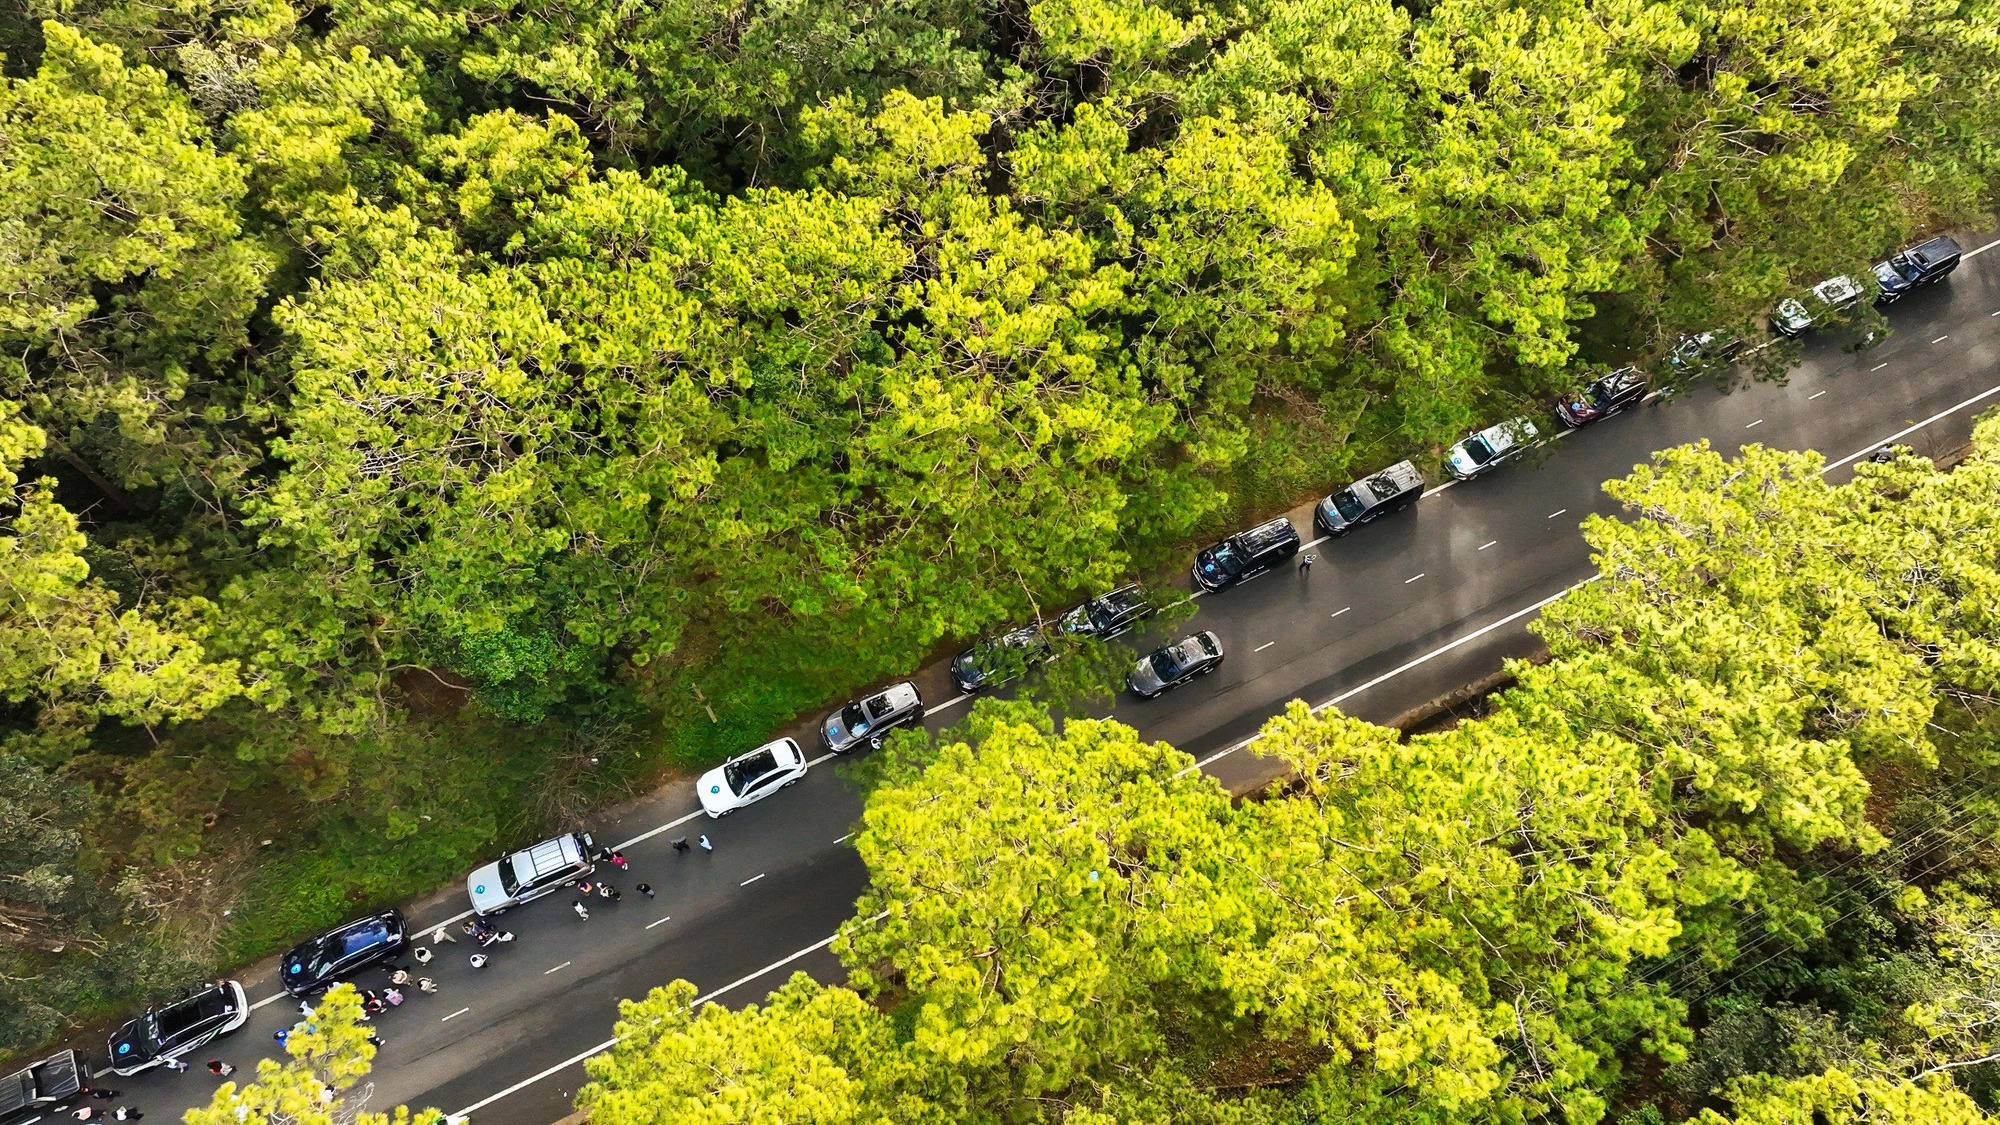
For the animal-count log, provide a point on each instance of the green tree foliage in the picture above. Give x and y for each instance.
(327, 1054)
(403, 371)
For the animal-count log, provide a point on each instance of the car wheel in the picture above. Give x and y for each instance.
(792, 782)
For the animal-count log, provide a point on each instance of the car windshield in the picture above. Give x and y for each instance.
(1348, 505)
(1168, 662)
(509, 881)
(319, 960)
(1894, 272)
(1477, 449)
(741, 773)
(1228, 559)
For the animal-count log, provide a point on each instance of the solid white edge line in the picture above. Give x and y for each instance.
(952, 702)
(1908, 430)
(1981, 250)
(649, 834)
(459, 1117)
(1430, 492)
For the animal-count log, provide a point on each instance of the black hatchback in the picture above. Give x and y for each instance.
(316, 964)
(1108, 615)
(1923, 264)
(999, 659)
(1615, 393)
(1246, 554)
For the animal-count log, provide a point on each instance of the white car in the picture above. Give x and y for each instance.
(749, 778)
(1486, 450)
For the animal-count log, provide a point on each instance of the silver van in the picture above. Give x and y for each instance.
(530, 873)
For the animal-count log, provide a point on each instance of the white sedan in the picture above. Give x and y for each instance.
(751, 777)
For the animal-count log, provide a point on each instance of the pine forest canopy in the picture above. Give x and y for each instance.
(642, 375)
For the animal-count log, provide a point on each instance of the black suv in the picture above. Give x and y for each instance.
(1920, 265)
(313, 965)
(1391, 490)
(1618, 391)
(999, 659)
(1246, 554)
(1108, 615)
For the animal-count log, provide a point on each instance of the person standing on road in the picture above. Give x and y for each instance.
(127, 1113)
(176, 1065)
(606, 890)
(644, 889)
(281, 1035)
(393, 995)
(680, 843)
(102, 1094)
(705, 845)
(582, 911)
(618, 860)
(479, 960)
(1306, 564)
(220, 1069)
(422, 955)
(426, 985)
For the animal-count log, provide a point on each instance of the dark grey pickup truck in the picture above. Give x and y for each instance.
(42, 1090)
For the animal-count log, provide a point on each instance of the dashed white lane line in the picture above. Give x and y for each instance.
(1877, 367)
(557, 969)
(1942, 339)
(1814, 395)
(460, 1117)
(1755, 424)
(1488, 543)
(456, 1014)
(752, 879)
(843, 837)
(661, 922)
(1262, 647)
(1341, 610)
(1554, 514)
(1411, 578)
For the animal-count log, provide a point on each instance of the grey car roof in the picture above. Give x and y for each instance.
(549, 856)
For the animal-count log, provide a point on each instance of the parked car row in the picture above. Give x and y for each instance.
(170, 1030)
(1926, 263)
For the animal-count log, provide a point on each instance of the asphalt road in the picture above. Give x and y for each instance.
(1395, 615)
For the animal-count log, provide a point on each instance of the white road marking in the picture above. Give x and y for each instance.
(456, 1014)
(661, 922)
(1411, 578)
(752, 879)
(460, 1117)
(639, 839)
(1981, 250)
(1315, 543)
(1427, 493)
(1908, 430)
(558, 968)
(1341, 610)
(843, 838)
(1755, 424)
(1815, 395)
(1942, 339)
(1262, 647)
(1554, 514)
(1877, 367)
(952, 702)
(1488, 543)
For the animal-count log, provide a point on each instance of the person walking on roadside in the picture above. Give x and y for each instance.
(102, 1094)
(1306, 564)
(393, 995)
(220, 1069)
(680, 843)
(644, 889)
(618, 860)
(422, 955)
(127, 1113)
(705, 845)
(83, 1112)
(479, 960)
(582, 911)
(426, 985)
(400, 977)
(584, 887)
(281, 1035)
(178, 1066)
(606, 890)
